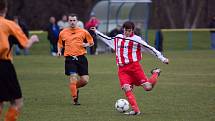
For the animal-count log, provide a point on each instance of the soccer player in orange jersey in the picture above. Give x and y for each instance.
(74, 40)
(9, 86)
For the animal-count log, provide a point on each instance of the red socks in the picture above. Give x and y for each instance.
(132, 101)
(73, 89)
(11, 115)
(153, 78)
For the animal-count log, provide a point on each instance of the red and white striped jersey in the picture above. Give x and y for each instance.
(129, 49)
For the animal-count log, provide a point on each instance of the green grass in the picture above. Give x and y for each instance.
(180, 40)
(185, 91)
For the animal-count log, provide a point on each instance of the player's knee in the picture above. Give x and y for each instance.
(20, 105)
(147, 86)
(126, 87)
(83, 82)
(84, 79)
(17, 103)
(73, 77)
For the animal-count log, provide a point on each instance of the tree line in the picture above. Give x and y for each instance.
(182, 13)
(163, 13)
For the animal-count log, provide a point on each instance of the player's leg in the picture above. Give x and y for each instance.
(131, 99)
(82, 69)
(75, 84)
(125, 83)
(11, 90)
(151, 82)
(14, 110)
(73, 78)
(82, 81)
(140, 78)
(71, 71)
(154, 77)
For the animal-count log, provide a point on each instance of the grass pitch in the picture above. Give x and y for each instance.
(185, 91)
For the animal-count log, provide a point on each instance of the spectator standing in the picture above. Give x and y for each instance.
(212, 26)
(116, 31)
(93, 22)
(24, 28)
(63, 23)
(80, 24)
(53, 33)
(159, 40)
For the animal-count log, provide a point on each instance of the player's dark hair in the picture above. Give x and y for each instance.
(73, 15)
(128, 25)
(3, 5)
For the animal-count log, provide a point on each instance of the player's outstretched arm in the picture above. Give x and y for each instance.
(151, 50)
(107, 40)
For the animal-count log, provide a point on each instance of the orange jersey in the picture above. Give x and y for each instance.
(72, 40)
(8, 28)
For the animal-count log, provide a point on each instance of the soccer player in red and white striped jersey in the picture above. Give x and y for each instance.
(128, 48)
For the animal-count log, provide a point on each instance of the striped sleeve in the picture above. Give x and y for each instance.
(151, 50)
(107, 40)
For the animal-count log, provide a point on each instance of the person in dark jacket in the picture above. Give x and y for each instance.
(212, 26)
(25, 29)
(116, 31)
(53, 33)
(159, 40)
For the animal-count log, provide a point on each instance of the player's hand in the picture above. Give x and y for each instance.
(58, 54)
(166, 61)
(34, 38)
(93, 29)
(86, 44)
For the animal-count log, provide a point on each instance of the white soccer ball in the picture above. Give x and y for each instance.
(122, 105)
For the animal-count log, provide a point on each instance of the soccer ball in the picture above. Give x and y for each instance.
(122, 105)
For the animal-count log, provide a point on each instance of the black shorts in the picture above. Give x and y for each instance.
(9, 85)
(78, 65)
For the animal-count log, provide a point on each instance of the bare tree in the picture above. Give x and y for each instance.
(187, 12)
(168, 9)
(198, 12)
(165, 13)
(187, 6)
